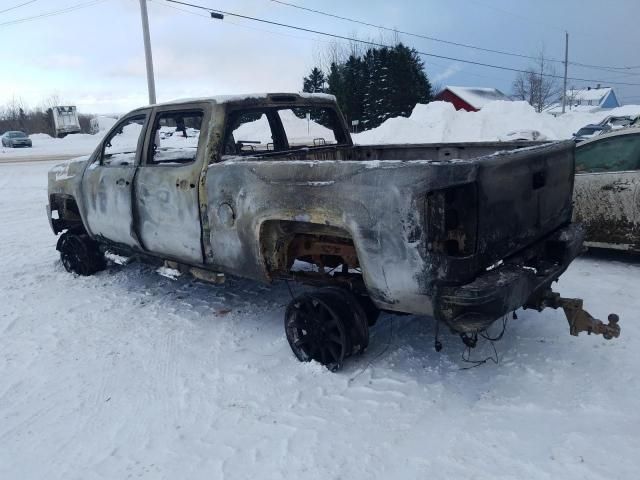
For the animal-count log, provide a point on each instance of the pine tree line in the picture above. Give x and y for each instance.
(380, 83)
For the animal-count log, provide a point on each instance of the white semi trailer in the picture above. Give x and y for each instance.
(65, 120)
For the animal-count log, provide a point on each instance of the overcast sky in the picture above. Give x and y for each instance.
(93, 57)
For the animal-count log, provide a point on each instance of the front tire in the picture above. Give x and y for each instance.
(80, 254)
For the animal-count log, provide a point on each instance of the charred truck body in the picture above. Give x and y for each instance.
(271, 187)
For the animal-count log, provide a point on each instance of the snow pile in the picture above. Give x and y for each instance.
(105, 123)
(303, 131)
(45, 145)
(300, 131)
(256, 131)
(440, 122)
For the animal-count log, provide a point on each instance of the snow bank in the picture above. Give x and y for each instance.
(43, 144)
(105, 123)
(300, 131)
(440, 122)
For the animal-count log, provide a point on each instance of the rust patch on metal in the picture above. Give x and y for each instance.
(323, 251)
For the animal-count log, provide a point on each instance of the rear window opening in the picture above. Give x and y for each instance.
(253, 132)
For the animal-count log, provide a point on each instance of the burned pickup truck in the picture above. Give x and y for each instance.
(270, 187)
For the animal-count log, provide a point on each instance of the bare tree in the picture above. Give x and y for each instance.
(572, 97)
(51, 101)
(338, 52)
(538, 85)
(332, 53)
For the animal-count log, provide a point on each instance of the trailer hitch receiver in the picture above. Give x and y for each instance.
(579, 319)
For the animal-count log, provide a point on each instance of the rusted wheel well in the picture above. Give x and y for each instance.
(282, 242)
(65, 214)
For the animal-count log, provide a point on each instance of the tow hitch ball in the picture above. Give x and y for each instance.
(579, 319)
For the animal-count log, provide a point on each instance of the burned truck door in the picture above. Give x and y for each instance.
(166, 185)
(606, 186)
(108, 180)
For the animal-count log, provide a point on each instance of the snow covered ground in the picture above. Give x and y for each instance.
(127, 374)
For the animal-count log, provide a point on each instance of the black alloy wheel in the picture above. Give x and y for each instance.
(316, 330)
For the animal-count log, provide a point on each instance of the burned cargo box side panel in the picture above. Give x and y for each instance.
(378, 206)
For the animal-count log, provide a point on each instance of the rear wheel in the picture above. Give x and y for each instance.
(356, 319)
(370, 309)
(79, 254)
(316, 329)
(327, 326)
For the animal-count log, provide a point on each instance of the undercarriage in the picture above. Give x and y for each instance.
(331, 323)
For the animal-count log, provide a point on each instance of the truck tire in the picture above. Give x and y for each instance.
(79, 254)
(316, 325)
(356, 321)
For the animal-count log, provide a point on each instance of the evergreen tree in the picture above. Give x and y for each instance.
(315, 82)
(382, 83)
(352, 78)
(336, 85)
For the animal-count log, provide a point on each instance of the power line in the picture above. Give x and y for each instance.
(17, 6)
(376, 44)
(448, 42)
(52, 13)
(239, 25)
(394, 30)
(282, 34)
(311, 39)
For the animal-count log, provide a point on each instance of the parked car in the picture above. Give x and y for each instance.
(590, 131)
(616, 122)
(16, 139)
(607, 189)
(271, 182)
(635, 123)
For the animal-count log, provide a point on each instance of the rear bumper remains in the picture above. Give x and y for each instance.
(510, 285)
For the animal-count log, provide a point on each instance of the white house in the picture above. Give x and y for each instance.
(587, 100)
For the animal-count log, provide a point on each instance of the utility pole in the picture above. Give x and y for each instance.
(151, 84)
(566, 65)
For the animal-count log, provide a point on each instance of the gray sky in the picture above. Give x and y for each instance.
(93, 57)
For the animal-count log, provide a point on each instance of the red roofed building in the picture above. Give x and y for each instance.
(470, 99)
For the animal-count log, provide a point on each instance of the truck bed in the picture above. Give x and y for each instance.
(421, 217)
